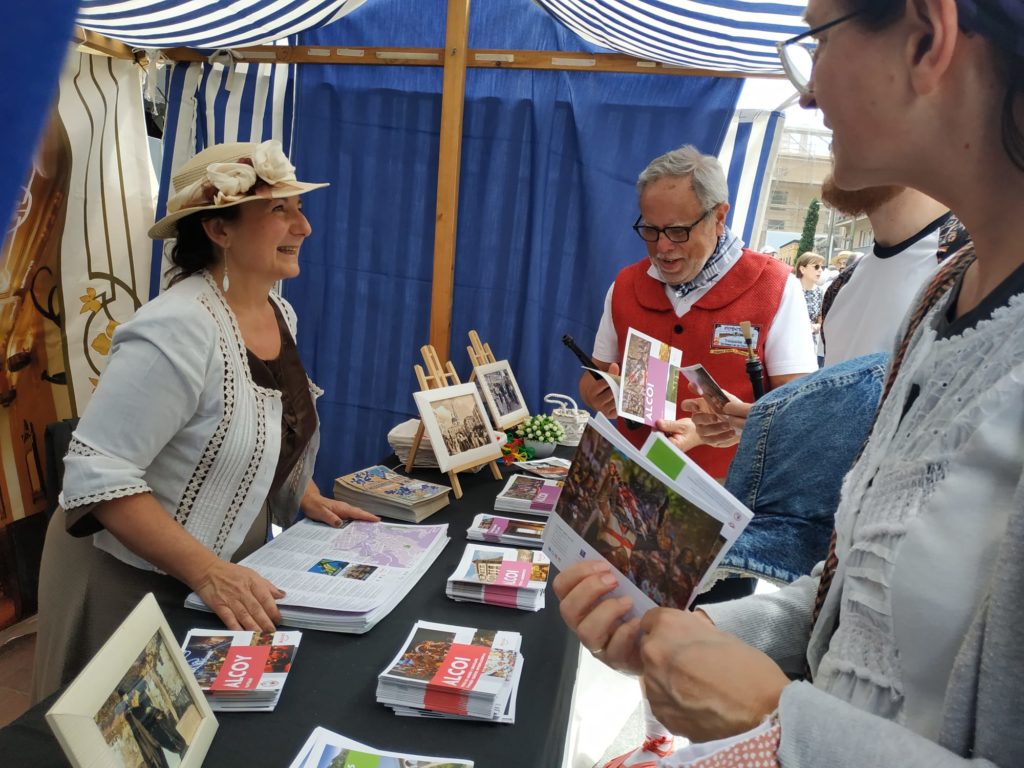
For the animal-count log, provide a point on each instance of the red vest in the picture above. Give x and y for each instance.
(707, 333)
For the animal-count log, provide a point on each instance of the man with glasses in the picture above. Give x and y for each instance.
(697, 284)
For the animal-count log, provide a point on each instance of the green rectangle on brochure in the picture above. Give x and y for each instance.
(361, 760)
(665, 459)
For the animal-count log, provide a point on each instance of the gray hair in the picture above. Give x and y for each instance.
(708, 177)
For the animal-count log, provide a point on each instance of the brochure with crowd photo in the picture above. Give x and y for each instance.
(552, 468)
(658, 518)
(327, 749)
(387, 493)
(512, 531)
(514, 578)
(241, 671)
(454, 672)
(705, 385)
(531, 495)
(343, 579)
(649, 381)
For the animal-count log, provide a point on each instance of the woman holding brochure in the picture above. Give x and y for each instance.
(904, 648)
(203, 427)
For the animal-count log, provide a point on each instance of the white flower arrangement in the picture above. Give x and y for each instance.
(543, 429)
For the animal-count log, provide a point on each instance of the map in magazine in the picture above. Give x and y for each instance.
(657, 539)
(382, 544)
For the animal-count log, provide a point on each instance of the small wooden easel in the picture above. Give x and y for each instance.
(435, 377)
(479, 353)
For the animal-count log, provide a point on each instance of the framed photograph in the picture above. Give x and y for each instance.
(501, 393)
(137, 703)
(457, 425)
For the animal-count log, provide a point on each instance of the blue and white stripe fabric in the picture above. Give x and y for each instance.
(748, 156)
(723, 35)
(208, 24)
(217, 103)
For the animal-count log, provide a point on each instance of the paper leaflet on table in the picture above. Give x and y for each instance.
(324, 747)
(660, 520)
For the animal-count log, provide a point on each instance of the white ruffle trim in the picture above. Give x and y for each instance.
(108, 495)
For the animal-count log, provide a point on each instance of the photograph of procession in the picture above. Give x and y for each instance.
(501, 393)
(661, 542)
(457, 425)
(428, 647)
(150, 718)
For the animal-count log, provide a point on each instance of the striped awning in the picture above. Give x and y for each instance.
(723, 35)
(207, 23)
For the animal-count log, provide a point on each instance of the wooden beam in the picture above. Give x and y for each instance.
(453, 99)
(479, 58)
(94, 42)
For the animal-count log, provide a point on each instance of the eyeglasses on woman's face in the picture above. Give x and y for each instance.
(798, 54)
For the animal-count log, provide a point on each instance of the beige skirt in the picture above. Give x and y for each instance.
(85, 594)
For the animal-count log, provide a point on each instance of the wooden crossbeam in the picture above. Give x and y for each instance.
(94, 42)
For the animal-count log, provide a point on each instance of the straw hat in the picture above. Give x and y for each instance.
(225, 175)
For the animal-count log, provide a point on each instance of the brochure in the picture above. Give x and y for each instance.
(552, 468)
(454, 672)
(514, 578)
(532, 495)
(343, 579)
(706, 385)
(649, 380)
(327, 749)
(241, 671)
(506, 530)
(662, 521)
(387, 493)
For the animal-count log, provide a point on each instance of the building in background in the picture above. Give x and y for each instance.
(803, 162)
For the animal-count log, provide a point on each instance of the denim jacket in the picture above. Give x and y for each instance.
(797, 446)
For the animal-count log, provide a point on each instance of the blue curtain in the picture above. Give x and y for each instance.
(546, 201)
(39, 34)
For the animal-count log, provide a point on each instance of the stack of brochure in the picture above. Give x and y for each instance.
(513, 531)
(552, 468)
(453, 672)
(343, 579)
(400, 439)
(389, 494)
(658, 518)
(240, 671)
(514, 578)
(531, 495)
(324, 749)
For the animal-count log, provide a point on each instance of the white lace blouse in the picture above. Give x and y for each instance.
(177, 414)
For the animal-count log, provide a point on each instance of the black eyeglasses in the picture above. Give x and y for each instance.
(676, 234)
(797, 54)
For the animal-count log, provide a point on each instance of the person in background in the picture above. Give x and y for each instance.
(808, 271)
(903, 647)
(202, 429)
(694, 287)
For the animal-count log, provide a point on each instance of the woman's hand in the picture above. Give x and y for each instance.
(682, 433)
(239, 596)
(596, 621)
(718, 429)
(331, 511)
(703, 683)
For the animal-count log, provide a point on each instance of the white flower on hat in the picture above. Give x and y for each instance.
(271, 164)
(232, 180)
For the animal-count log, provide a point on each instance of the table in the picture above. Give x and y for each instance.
(333, 680)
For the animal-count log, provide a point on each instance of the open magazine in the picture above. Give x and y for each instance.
(343, 579)
(658, 518)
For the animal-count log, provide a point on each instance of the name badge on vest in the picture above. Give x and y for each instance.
(729, 338)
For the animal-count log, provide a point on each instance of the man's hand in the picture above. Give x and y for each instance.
(598, 622)
(239, 596)
(597, 394)
(718, 429)
(703, 683)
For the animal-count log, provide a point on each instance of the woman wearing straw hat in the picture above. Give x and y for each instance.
(203, 427)
(904, 647)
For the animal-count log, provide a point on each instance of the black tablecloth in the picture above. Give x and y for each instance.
(333, 680)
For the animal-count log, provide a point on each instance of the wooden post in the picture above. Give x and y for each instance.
(453, 98)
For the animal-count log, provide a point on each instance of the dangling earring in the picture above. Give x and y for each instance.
(225, 283)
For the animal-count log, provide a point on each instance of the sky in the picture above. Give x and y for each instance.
(766, 93)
